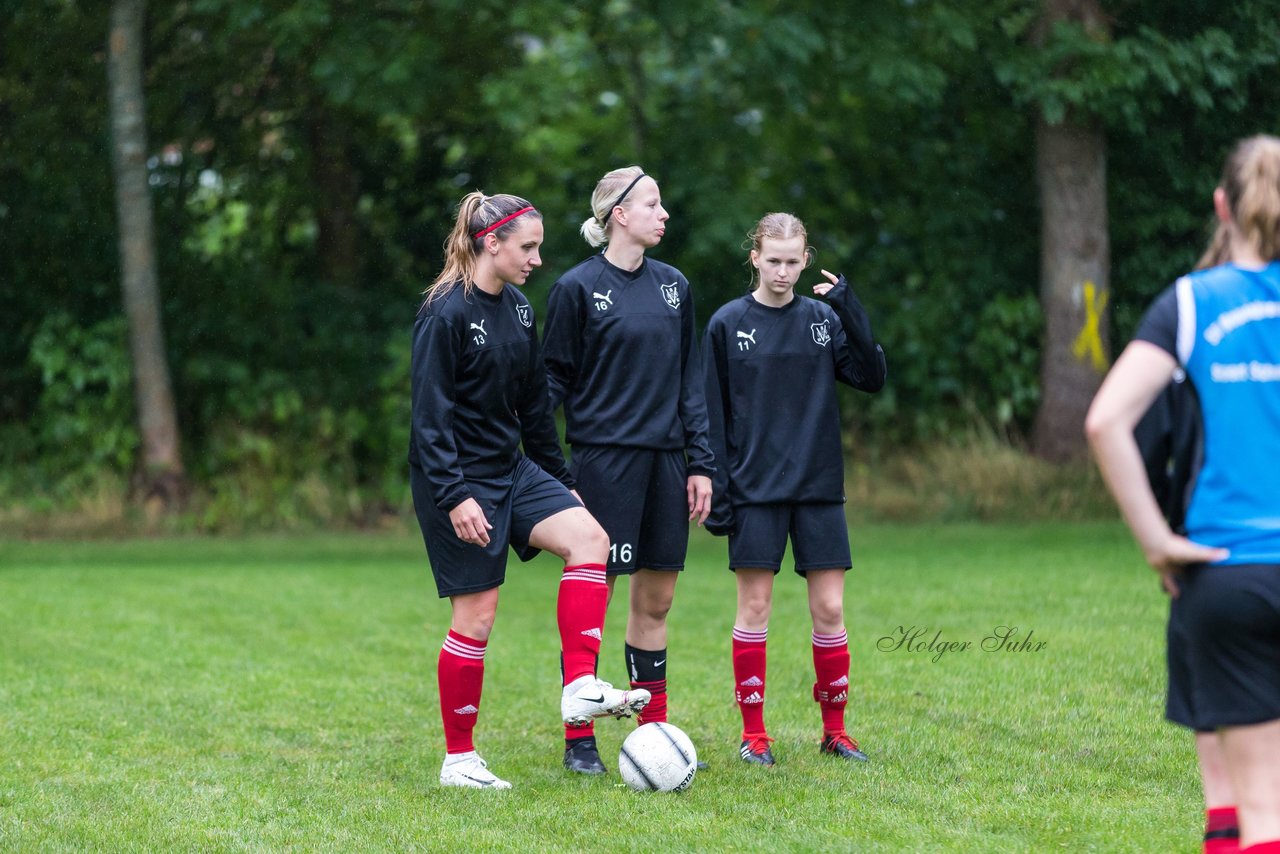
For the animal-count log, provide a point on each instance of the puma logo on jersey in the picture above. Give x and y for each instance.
(479, 339)
(603, 301)
(746, 337)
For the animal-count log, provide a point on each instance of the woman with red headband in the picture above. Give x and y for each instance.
(622, 357)
(479, 393)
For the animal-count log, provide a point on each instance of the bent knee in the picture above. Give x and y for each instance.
(589, 544)
(593, 538)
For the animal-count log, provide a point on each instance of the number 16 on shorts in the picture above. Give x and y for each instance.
(619, 553)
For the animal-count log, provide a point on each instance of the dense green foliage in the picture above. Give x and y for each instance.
(279, 693)
(307, 156)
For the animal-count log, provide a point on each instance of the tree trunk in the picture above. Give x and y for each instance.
(337, 196)
(1075, 267)
(161, 475)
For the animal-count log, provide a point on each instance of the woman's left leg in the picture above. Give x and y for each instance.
(831, 660)
(1221, 825)
(651, 594)
(1251, 753)
(578, 539)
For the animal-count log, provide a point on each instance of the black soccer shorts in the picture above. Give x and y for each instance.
(640, 497)
(819, 537)
(513, 506)
(1224, 647)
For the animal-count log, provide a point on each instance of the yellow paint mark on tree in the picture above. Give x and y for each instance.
(1088, 344)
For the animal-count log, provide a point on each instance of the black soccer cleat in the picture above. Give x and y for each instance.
(582, 757)
(843, 746)
(755, 750)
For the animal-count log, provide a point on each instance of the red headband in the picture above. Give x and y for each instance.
(506, 219)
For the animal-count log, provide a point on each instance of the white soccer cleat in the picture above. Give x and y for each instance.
(587, 698)
(469, 771)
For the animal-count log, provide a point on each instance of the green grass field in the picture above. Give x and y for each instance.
(279, 692)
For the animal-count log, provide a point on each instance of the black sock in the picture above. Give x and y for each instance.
(646, 665)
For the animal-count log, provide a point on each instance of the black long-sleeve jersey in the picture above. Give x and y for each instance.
(622, 355)
(771, 393)
(479, 391)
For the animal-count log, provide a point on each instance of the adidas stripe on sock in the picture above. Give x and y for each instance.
(460, 675)
(580, 609)
(749, 660)
(831, 690)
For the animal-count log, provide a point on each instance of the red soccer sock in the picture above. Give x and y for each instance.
(749, 659)
(460, 674)
(573, 733)
(580, 609)
(1271, 846)
(1221, 831)
(656, 710)
(648, 670)
(831, 691)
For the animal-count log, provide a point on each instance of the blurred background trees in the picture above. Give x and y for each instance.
(304, 158)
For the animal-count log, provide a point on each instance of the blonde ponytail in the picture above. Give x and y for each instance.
(610, 191)
(594, 233)
(477, 214)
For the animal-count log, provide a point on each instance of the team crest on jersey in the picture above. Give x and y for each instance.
(671, 293)
(821, 333)
(525, 314)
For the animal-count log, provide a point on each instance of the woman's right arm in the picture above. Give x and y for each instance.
(1128, 391)
(436, 345)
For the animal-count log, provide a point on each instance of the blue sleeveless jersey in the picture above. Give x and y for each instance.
(1228, 340)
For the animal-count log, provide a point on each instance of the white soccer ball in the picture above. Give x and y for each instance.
(658, 757)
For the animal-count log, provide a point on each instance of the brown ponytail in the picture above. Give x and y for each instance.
(476, 213)
(1251, 180)
(1218, 252)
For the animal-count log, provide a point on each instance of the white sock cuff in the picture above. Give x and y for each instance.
(461, 648)
(592, 574)
(829, 641)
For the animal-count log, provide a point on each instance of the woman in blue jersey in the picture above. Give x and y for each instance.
(773, 359)
(621, 355)
(479, 393)
(1222, 327)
